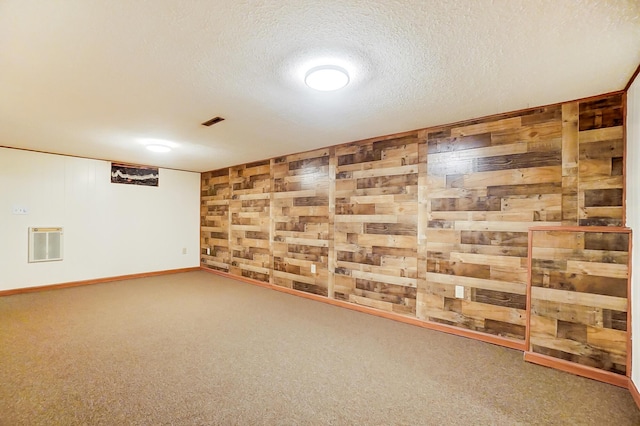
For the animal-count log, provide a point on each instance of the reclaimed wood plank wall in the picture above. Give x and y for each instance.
(601, 150)
(431, 224)
(250, 221)
(579, 297)
(487, 183)
(302, 228)
(376, 224)
(214, 220)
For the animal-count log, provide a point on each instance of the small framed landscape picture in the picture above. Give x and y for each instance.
(134, 175)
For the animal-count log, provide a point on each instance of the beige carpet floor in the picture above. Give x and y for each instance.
(196, 349)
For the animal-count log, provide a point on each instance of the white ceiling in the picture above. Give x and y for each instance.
(95, 78)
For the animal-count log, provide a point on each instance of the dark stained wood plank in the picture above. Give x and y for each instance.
(387, 289)
(501, 328)
(310, 201)
(518, 161)
(460, 143)
(442, 224)
(361, 257)
(616, 320)
(601, 221)
(617, 166)
(515, 239)
(603, 197)
(601, 113)
(551, 113)
(560, 280)
(533, 189)
(310, 165)
(603, 149)
(359, 209)
(606, 241)
(310, 288)
(388, 181)
(499, 298)
(466, 204)
(390, 228)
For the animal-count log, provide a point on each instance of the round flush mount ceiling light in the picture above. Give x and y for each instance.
(327, 78)
(158, 148)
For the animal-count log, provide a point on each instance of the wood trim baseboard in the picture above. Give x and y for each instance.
(632, 79)
(577, 369)
(95, 281)
(476, 335)
(634, 392)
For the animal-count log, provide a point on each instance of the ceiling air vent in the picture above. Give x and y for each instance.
(213, 121)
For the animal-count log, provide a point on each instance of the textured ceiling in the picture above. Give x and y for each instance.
(96, 78)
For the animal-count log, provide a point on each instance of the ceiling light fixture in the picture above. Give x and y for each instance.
(158, 148)
(327, 78)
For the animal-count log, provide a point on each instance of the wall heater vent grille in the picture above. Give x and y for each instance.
(45, 244)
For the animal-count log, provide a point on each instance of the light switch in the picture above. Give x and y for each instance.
(459, 292)
(20, 210)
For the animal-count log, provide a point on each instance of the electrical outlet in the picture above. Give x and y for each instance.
(313, 268)
(459, 292)
(184, 250)
(20, 210)
(209, 251)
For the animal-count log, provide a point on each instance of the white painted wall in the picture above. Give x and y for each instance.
(109, 229)
(633, 219)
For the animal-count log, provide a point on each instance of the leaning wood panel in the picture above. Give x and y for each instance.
(300, 185)
(250, 220)
(214, 220)
(579, 296)
(375, 234)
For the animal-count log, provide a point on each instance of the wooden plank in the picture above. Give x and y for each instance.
(403, 281)
(570, 150)
(604, 134)
(600, 269)
(612, 341)
(481, 259)
(484, 311)
(498, 298)
(474, 129)
(474, 153)
(603, 197)
(518, 161)
(548, 174)
(583, 299)
(452, 143)
(476, 283)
